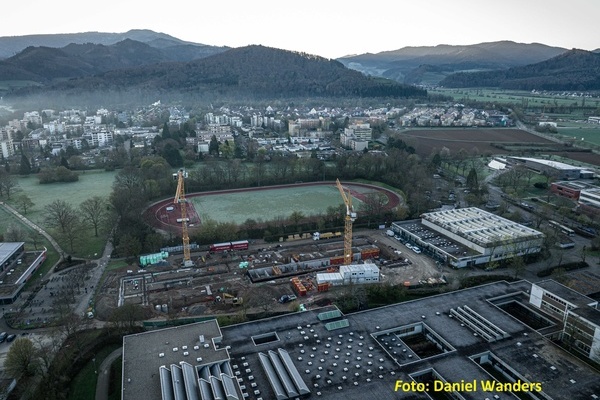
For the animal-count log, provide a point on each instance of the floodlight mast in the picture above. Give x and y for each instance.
(349, 219)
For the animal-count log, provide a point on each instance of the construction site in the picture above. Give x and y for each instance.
(299, 272)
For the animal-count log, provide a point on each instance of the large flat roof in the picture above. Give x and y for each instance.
(365, 358)
(144, 354)
(566, 293)
(480, 226)
(549, 163)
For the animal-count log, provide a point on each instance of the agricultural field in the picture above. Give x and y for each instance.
(580, 131)
(479, 141)
(425, 141)
(500, 96)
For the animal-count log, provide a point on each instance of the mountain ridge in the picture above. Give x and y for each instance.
(12, 45)
(252, 70)
(575, 69)
(397, 64)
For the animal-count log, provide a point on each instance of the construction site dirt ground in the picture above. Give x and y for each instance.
(216, 284)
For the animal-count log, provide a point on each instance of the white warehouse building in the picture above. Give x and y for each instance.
(469, 236)
(351, 274)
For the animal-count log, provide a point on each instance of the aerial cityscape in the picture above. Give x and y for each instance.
(257, 216)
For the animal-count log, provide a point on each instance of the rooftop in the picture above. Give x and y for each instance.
(145, 353)
(365, 355)
(549, 163)
(7, 249)
(566, 293)
(480, 226)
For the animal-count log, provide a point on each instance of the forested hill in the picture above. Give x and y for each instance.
(576, 70)
(252, 70)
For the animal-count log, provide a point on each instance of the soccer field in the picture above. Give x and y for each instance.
(263, 205)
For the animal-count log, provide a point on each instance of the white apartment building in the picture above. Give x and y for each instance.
(100, 139)
(6, 148)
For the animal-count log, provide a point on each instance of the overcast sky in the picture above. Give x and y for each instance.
(326, 27)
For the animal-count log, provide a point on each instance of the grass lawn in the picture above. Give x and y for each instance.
(84, 384)
(268, 204)
(91, 183)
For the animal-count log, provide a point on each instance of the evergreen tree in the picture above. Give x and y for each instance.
(64, 162)
(25, 167)
(166, 132)
(472, 180)
(213, 147)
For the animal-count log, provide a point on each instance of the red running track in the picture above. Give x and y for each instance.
(157, 215)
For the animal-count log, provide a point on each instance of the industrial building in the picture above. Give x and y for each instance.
(490, 333)
(589, 201)
(570, 189)
(558, 169)
(469, 236)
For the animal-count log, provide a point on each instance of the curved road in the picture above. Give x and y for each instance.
(104, 374)
(34, 226)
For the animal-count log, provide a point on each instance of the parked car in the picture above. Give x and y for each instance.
(10, 337)
(286, 298)
(3, 336)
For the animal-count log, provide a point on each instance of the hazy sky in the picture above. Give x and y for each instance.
(327, 28)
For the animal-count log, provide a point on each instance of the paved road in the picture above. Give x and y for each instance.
(95, 276)
(34, 226)
(104, 374)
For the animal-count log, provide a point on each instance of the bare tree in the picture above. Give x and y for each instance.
(93, 211)
(14, 233)
(24, 203)
(60, 215)
(8, 184)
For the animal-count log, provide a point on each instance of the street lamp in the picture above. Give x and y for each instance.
(95, 370)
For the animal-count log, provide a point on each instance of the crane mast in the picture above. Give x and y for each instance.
(180, 199)
(349, 219)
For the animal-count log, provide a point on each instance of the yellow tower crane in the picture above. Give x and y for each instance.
(350, 217)
(180, 198)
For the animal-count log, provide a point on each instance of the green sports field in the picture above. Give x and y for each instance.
(263, 205)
